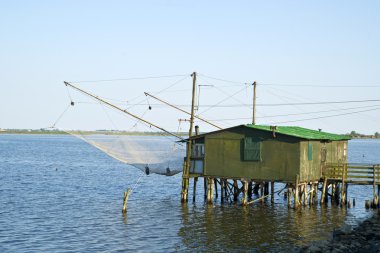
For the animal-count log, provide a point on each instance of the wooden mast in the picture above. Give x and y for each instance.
(186, 166)
(254, 104)
(120, 109)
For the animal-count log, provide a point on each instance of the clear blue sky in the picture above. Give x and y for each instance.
(315, 43)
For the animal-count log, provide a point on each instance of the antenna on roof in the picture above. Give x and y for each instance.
(254, 104)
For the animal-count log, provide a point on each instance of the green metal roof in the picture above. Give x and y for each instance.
(301, 132)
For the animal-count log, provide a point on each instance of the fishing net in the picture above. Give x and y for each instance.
(158, 154)
(133, 131)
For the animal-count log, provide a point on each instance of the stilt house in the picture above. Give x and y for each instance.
(266, 153)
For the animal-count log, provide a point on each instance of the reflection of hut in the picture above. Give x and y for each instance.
(266, 153)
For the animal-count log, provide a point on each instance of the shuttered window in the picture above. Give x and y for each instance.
(310, 152)
(251, 149)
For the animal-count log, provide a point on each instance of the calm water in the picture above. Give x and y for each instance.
(58, 194)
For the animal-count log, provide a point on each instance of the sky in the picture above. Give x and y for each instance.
(296, 51)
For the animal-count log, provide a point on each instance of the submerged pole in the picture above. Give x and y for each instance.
(125, 200)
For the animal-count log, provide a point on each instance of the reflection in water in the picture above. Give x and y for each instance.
(267, 227)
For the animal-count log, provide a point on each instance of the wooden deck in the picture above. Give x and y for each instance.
(360, 174)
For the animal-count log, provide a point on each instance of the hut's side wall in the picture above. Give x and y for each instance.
(322, 153)
(280, 156)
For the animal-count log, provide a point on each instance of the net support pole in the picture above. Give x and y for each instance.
(254, 104)
(186, 166)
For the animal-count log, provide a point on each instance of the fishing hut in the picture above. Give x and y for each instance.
(258, 155)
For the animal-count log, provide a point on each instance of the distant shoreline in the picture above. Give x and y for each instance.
(115, 132)
(107, 132)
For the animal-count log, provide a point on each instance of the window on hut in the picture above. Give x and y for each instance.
(310, 152)
(251, 149)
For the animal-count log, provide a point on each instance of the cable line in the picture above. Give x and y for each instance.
(125, 79)
(329, 116)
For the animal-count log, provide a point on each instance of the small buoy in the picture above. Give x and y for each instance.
(167, 171)
(72, 103)
(150, 108)
(147, 170)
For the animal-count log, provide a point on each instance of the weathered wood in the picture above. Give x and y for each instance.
(125, 200)
(324, 187)
(245, 193)
(296, 194)
(236, 188)
(216, 187)
(272, 191)
(205, 187)
(250, 190)
(195, 188)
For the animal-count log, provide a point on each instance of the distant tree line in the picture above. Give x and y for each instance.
(355, 134)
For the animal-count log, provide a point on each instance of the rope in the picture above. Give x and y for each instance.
(61, 115)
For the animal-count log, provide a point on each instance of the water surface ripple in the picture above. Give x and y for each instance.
(58, 194)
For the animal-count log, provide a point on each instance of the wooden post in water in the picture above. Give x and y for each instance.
(375, 196)
(296, 195)
(216, 187)
(250, 190)
(235, 190)
(245, 191)
(222, 190)
(324, 187)
(272, 191)
(205, 187)
(342, 196)
(266, 188)
(195, 188)
(125, 200)
(261, 191)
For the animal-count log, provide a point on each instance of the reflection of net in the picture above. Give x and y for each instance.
(151, 154)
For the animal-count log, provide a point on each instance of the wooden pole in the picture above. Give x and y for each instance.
(120, 109)
(185, 173)
(343, 198)
(235, 190)
(254, 104)
(125, 200)
(222, 190)
(250, 190)
(272, 191)
(205, 187)
(245, 191)
(296, 195)
(195, 188)
(262, 191)
(216, 187)
(324, 187)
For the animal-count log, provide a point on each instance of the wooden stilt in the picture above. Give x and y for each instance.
(235, 190)
(324, 187)
(343, 197)
(212, 181)
(262, 191)
(289, 196)
(266, 188)
(216, 187)
(250, 190)
(272, 191)
(296, 195)
(195, 188)
(256, 188)
(245, 193)
(225, 187)
(205, 187)
(222, 190)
